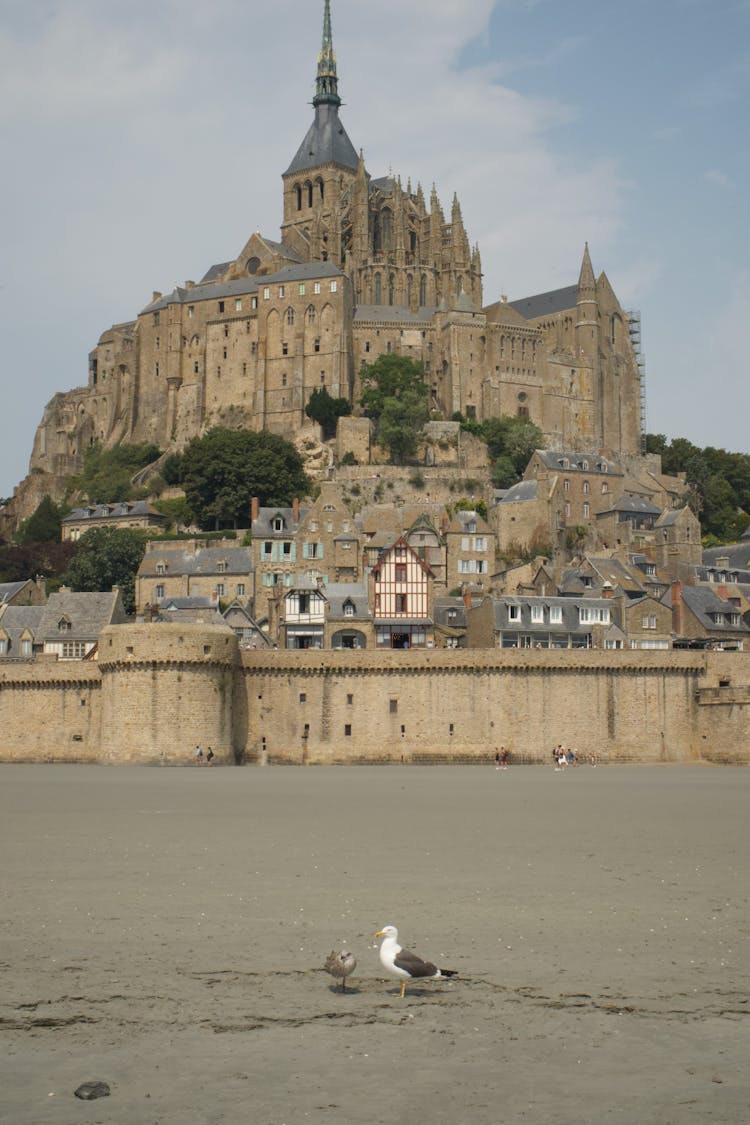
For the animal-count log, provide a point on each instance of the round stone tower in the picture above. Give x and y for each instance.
(165, 690)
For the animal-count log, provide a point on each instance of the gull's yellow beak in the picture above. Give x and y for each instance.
(380, 933)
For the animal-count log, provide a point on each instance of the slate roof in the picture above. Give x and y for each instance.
(547, 304)
(8, 590)
(520, 493)
(570, 617)
(326, 142)
(635, 504)
(88, 614)
(737, 555)
(262, 527)
(450, 613)
(576, 462)
(202, 561)
(702, 601)
(114, 511)
(340, 592)
(215, 272)
(14, 620)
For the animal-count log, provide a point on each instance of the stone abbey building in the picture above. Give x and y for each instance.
(363, 266)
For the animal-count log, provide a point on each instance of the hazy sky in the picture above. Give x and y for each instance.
(142, 142)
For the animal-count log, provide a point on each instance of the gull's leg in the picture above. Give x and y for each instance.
(403, 989)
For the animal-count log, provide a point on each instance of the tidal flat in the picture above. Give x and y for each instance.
(164, 931)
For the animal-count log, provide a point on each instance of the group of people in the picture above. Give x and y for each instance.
(501, 759)
(199, 756)
(562, 758)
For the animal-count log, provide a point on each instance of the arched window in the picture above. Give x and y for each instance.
(387, 229)
(378, 290)
(409, 288)
(391, 282)
(290, 316)
(309, 189)
(298, 197)
(311, 314)
(423, 290)
(321, 189)
(459, 285)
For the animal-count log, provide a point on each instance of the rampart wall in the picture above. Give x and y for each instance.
(158, 690)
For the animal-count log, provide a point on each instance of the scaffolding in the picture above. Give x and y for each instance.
(634, 331)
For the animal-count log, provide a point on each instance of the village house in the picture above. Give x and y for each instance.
(214, 569)
(401, 587)
(133, 514)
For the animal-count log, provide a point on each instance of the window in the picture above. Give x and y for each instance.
(566, 485)
(400, 572)
(220, 590)
(240, 589)
(586, 509)
(350, 699)
(586, 488)
(480, 543)
(284, 348)
(191, 311)
(282, 291)
(567, 507)
(221, 306)
(537, 614)
(3, 646)
(278, 523)
(26, 647)
(253, 302)
(267, 549)
(301, 288)
(334, 286)
(266, 293)
(514, 613)
(316, 287)
(393, 706)
(400, 603)
(63, 625)
(605, 487)
(238, 304)
(161, 568)
(347, 730)
(159, 592)
(303, 697)
(348, 609)
(555, 615)
(73, 650)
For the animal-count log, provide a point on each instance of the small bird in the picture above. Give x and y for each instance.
(341, 965)
(402, 964)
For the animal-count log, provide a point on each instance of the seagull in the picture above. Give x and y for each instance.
(402, 964)
(341, 965)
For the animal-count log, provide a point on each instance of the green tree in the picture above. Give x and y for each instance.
(324, 409)
(513, 437)
(43, 526)
(171, 469)
(389, 377)
(50, 559)
(400, 423)
(504, 472)
(107, 473)
(225, 469)
(107, 557)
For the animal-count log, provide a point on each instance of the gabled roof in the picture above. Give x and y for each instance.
(263, 524)
(568, 462)
(14, 621)
(122, 510)
(547, 304)
(339, 593)
(10, 590)
(400, 542)
(207, 561)
(87, 613)
(520, 493)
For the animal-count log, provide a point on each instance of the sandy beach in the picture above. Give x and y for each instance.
(164, 931)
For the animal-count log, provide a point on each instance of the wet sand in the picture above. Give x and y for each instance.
(164, 930)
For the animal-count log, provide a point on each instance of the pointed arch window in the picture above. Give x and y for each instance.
(378, 289)
(387, 229)
(391, 287)
(423, 290)
(290, 316)
(311, 314)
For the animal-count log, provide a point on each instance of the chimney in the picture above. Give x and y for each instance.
(677, 607)
(156, 296)
(466, 594)
(608, 590)
(295, 509)
(254, 509)
(723, 592)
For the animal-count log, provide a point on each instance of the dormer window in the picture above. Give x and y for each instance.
(349, 610)
(161, 568)
(221, 567)
(471, 526)
(64, 625)
(278, 523)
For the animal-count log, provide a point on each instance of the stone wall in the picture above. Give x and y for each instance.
(157, 690)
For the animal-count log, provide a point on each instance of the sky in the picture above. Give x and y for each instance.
(143, 142)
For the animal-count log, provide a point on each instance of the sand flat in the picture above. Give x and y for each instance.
(164, 930)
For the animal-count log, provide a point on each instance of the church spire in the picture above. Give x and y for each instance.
(327, 83)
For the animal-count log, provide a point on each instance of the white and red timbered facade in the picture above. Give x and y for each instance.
(402, 589)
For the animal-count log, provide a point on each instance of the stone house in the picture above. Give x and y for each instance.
(707, 617)
(133, 514)
(245, 627)
(215, 569)
(512, 621)
(27, 592)
(469, 549)
(71, 622)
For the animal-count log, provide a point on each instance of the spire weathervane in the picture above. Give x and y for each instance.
(327, 83)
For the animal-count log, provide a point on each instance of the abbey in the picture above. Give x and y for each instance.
(363, 266)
